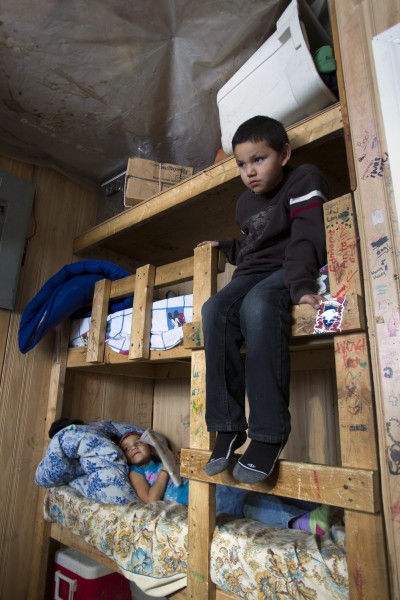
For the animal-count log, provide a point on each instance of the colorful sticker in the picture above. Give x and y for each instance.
(329, 316)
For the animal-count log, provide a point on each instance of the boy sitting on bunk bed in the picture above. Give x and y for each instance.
(277, 262)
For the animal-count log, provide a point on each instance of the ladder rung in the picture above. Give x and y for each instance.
(345, 487)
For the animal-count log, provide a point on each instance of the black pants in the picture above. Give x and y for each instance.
(255, 309)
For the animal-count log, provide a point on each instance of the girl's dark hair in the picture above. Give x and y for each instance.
(262, 129)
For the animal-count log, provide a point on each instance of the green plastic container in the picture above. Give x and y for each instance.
(324, 59)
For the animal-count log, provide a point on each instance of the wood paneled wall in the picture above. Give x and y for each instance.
(61, 211)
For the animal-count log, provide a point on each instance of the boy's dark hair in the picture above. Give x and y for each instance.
(262, 129)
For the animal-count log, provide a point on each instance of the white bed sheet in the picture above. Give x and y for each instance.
(168, 317)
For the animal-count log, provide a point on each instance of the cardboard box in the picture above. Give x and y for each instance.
(146, 178)
(81, 578)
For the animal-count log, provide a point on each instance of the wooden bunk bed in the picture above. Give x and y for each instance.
(167, 228)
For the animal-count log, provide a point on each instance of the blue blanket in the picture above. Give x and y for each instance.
(87, 458)
(67, 293)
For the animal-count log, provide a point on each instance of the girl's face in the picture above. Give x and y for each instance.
(260, 166)
(136, 452)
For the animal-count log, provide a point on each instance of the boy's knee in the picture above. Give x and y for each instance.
(256, 304)
(208, 309)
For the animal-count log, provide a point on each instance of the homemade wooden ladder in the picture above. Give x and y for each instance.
(354, 486)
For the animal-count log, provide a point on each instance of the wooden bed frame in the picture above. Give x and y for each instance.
(204, 202)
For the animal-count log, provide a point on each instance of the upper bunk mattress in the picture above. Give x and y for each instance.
(167, 319)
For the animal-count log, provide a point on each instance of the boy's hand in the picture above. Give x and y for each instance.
(214, 244)
(313, 300)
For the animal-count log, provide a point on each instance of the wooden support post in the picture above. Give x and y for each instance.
(366, 556)
(98, 322)
(204, 277)
(141, 317)
(201, 512)
(364, 533)
(38, 569)
(358, 23)
(342, 247)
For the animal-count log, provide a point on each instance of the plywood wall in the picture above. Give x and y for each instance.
(61, 211)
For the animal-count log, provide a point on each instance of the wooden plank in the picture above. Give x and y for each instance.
(176, 272)
(108, 397)
(139, 346)
(204, 277)
(304, 322)
(77, 358)
(37, 580)
(201, 525)
(171, 411)
(5, 316)
(220, 595)
(366, 557)
(311, 359)
(343, 98)
(316, 128)
(172, 370)
(358, 23)
(313, 409)
(351, 488)
(193, 335)
(67, 538)
(356, 406)
(358, 448)
(116, 233)
(121, 288)
(199, 436)
(342, 247)
(98, 322)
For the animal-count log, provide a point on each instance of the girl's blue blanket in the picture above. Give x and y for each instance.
(68, 291)
(88, 458)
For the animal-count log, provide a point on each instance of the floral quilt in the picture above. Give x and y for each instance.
(149, 544)
(88, 458)
(147, 541)
(255, 562)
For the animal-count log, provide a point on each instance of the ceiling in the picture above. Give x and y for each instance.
(84, 85)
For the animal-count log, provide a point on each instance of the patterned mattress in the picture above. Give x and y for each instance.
(149, 545)
(167, 319)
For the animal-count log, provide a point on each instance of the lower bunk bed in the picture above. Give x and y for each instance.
(93, 508)
(147, 543)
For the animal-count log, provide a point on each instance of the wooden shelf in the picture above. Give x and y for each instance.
(168, 226)
(162, 364)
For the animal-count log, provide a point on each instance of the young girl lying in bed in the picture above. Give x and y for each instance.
(148, 474)
(151, 481)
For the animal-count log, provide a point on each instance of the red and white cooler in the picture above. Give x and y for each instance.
(77, 577)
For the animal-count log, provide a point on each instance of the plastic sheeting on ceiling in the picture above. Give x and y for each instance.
(84, 85)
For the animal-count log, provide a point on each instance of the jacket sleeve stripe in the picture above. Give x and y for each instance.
(307, 197)
(301, 209)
